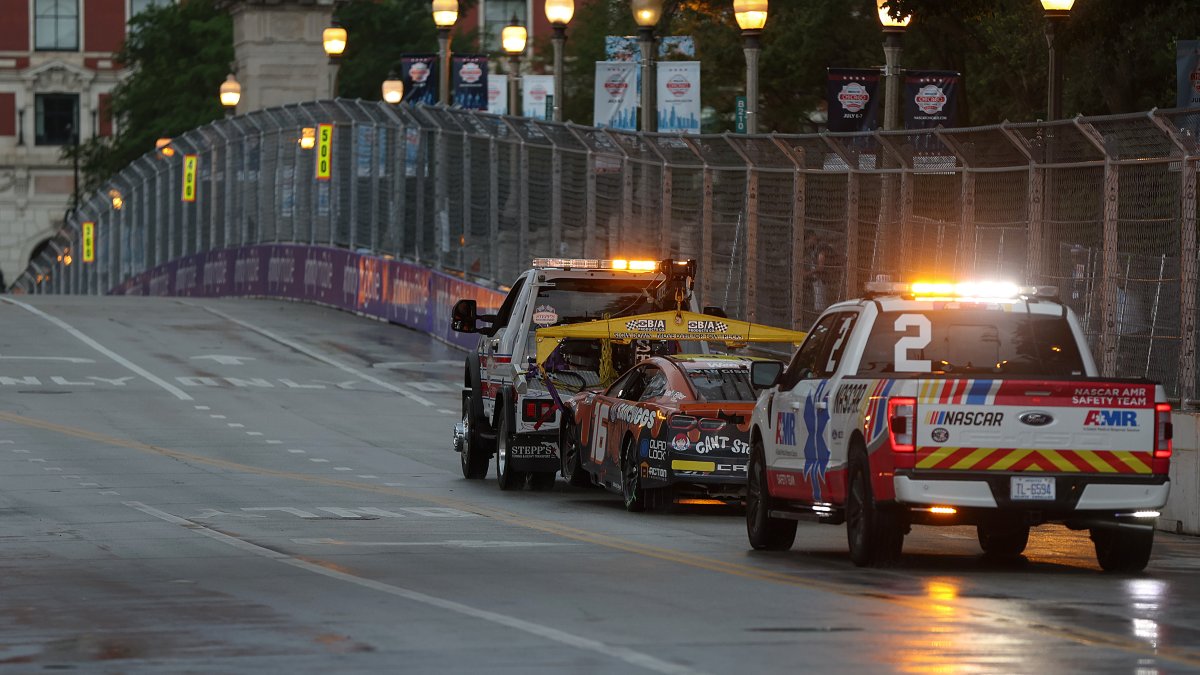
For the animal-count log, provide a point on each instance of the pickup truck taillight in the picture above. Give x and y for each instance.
(902, 423)
(1163, 431)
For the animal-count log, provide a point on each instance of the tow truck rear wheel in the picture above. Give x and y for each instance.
(765, 533)
(474, 457)
(1002, 541)
(572, 461)
(1123, 550)
(506, 478)
(637, 498)
(876, 535)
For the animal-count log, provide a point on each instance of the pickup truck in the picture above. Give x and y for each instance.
(956, 404)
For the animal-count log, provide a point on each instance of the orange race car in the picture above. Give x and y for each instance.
(672, 426)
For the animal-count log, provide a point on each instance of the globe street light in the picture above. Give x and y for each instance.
(231, 93)
(445, 13)
(893, 31)
(647, 13)
(751, 17)
(393, 88)
(559, 12)
(513, 37)
(333, 39)
(1057, 12)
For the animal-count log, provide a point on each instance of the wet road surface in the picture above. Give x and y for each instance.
(249, 485)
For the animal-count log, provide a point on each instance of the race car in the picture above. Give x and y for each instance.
(673, 425)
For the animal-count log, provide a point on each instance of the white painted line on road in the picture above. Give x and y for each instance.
(235, 425)
(72, 477)
(274, 442)
(21, 451)
(6, 442)
(89, 484)
(36, 459)
(133, 367)
(321, 357)
(447, 412)
(367, 476)
(314, 459)
(625, 654)
(110, 492)
(51, 468)
(203, 407)
(394, 485)
(217, 417)
(296, 452)
(68, 359)
(452, 543)
(254, 433)
(342, 468)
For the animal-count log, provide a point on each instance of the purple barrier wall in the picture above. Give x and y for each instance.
(399, 292)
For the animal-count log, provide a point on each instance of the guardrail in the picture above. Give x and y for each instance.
(782, 225)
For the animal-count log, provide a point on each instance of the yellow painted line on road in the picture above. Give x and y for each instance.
(923, 604)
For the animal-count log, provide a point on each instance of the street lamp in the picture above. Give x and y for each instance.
(164, 147)
(513, 37)
(393, 88)
(559, 12)
(231, 93)
(893, 31)
(445, 13)
(333, 39)
(646, 13)
(751, 16)
(1057, 12)
(308, 138)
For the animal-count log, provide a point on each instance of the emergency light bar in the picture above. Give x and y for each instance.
(971, 291)
(595, 264)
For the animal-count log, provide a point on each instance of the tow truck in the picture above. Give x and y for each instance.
(956, 404)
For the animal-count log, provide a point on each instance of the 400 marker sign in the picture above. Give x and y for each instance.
(324, 151)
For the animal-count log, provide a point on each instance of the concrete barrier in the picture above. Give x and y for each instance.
(1182, 513)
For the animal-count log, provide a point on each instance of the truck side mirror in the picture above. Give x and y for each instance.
(463, 318)
(765, 374)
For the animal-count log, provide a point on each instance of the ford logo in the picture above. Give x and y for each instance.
(1035, 419)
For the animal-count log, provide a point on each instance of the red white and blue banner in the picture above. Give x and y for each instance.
(420, 74)
(1187, 66)
(931, 98)
(679, 97)
(535, 89)
(497, 94)
(615, 99)
(469, 81)
(852, 99)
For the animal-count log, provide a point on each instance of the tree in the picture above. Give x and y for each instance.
(178, 55)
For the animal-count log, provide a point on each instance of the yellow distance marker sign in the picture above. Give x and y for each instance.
(189, 177)
(89, 241)
(324, 151)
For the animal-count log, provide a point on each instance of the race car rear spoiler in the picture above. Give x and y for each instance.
(668, 325)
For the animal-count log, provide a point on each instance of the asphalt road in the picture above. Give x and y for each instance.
(256, 486)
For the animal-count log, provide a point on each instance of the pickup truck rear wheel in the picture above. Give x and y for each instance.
(1122, 550)
(1002, 541)
(875, 535)
(474, 456)
(506, 478)
(765, 533)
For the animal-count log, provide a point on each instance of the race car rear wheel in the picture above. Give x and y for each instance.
(572, 461)
(474, 457)
(765, 533)
(1002, 541)
(506, 477)
(637, 498)
(875, 535)
(1123, 550)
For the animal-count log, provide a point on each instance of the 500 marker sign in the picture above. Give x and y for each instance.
(324, 151)
(189, 177)
(89, 241)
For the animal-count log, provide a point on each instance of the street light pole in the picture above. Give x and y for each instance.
(751, 16)
(445, 14)
(893, 32)
(559, 12)
(646, 13)
(333, 40)
(1057, 12)
(513, 38)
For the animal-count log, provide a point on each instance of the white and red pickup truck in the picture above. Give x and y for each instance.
(956, 404)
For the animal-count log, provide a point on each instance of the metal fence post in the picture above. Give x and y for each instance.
(1109, 265)
(850, 276)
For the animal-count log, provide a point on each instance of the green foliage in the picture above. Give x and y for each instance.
(178, 54)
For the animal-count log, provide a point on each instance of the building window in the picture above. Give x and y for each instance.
(496, 15)
(138, 6)
(56, 25)
(57, 118)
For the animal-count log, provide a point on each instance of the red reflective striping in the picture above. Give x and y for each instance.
(944, 395)
(1077, 460)
(991, 458)
(954, 458)
(1115, 462)
(960, 390)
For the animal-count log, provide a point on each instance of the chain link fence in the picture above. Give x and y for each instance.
(782, 226)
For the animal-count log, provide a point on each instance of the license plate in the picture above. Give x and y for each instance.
(1028, 488)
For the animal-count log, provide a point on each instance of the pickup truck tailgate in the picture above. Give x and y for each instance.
(1076, 426)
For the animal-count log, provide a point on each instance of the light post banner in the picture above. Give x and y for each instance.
(420, 74)
(470, 81)
(851, 99)
(497, 94)
(615, 99)
(931, 98)
(534, 90)
(679, 97)
(1187, 65)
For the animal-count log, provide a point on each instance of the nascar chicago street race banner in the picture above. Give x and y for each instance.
(931, 98)
(420, 78)
(615, 101)
(1188, 69)
(469, 81)
(852, 99)
(534, 91)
